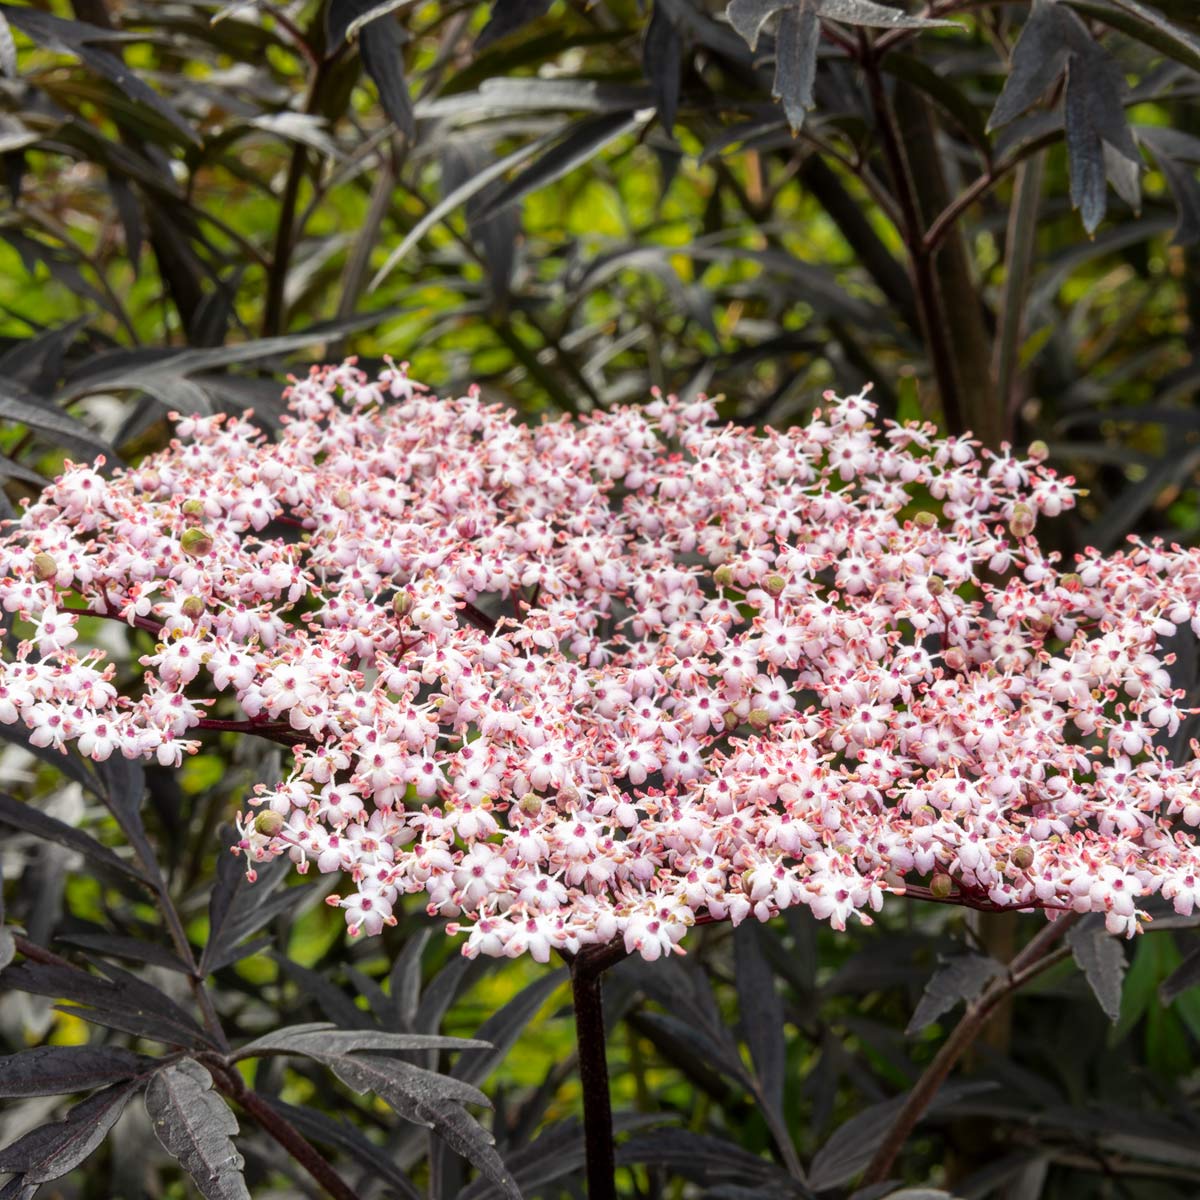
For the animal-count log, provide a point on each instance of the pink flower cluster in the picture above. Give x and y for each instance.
(609, 677)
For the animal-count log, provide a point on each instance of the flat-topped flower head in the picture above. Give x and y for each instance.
(610, 677)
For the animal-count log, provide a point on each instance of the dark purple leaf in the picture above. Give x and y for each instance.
(318, 1127)
(121, 1001)
(1038, 61)
(959, 979)
(50, 1151)
(507, 17)
(1101, 957)
(796, 44)
(57, 1070)
(238, 908)
(760, 1012)
(581, 145)
(194, 1125)
(32, 820)
(381, 48)
(322, 1038)
(505, 1025)
(662, 61)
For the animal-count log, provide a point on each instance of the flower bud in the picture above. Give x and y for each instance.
(192, 608)
(530, 804)
(925, 815)
(1038, 451)
(935, 585)
(268, 822)
(45, 567)
(196, 543)
(940, 886)
(926, 520)
(775, 584)
(732, 720)
(1022, 858)
(193, 508)
(342, 498)
(1022, 521)
(402, 604)
(723, 575)
(955, 659)
(759, 718)
(1071, 581)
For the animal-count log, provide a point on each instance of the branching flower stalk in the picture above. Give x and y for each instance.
(587, 684)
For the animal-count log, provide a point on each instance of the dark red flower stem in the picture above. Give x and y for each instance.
(587, 970)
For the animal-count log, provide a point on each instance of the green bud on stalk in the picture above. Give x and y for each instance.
(45, 567)
(195, 543)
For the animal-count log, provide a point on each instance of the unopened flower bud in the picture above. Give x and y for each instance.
(940, 886)
(1022, 521)
(268, 822)
(732, 720)
(193, 508)
(926, 520)
(955, 659)
(1038, 451)
(1022, 858)
(1071, 581)
(402, 604)
(935, 585)
(530, 804)
(775, 584)
(723, 575)
(192, 607)
(45, 567)
(759, 718)
(465, 527)
(195, 542)
(342, 498)
(925, 815)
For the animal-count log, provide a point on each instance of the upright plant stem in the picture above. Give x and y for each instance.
(587, 970)
(912, 231)
(1039, 955)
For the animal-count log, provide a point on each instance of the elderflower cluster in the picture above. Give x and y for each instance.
(609, 677)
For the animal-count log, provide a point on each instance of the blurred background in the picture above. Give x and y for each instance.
(988, 210)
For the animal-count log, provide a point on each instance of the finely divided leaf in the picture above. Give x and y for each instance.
(194, 1125)
(321, 1038)
(122, 1001)
(8, 49)
(796, 46)
(50, 1151)
(1099, 144)
(878, 16)
(501, 1030)
(319, 1127)
(958, 979)
(662, 61)
(32, 820)
(760, 1012)
(581, 145)
(380, 47)
(1101, 957)
(59, 1070)
(507, 17)
(1038, 60)
(237, 908)
(749, 17)
(1185, 976)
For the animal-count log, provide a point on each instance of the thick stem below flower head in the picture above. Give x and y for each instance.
(587, 970)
